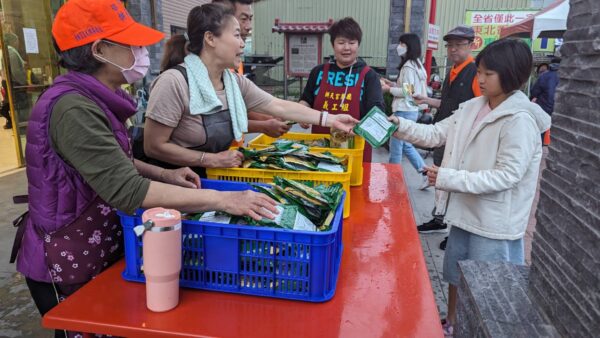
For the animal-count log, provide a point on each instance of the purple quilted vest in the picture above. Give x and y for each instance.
(57, 192)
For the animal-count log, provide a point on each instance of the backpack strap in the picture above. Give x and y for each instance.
(19, 223)
(183, 72)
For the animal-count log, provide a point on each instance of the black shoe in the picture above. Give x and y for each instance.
(443, 243)
(435, 225)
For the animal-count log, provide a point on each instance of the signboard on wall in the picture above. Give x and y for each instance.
(433, 37)
(487, 26)
(31, 41)
(304, 53)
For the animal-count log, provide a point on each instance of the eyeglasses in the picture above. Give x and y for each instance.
(456, 45)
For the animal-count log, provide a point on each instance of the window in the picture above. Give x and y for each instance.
(177, 30)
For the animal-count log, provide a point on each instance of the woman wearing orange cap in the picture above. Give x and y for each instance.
(198, 106)
(80, 166)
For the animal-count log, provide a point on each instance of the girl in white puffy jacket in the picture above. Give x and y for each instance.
(489, 173)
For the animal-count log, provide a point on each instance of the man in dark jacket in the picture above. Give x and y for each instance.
(544, 88)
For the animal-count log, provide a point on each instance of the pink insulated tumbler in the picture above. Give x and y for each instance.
(162, 257)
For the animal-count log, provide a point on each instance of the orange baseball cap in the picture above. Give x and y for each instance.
(79, 22)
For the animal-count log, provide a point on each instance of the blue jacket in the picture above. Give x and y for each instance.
(545, 87)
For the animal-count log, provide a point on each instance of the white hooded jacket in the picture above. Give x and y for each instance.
(489, 174)
(412, 72)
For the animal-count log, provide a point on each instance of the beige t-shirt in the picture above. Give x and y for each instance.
(169, 104)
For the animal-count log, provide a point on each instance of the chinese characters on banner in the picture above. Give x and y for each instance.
(487, 26)
(433, 37)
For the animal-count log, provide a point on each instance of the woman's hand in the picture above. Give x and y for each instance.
(304, 125)
(386, 82)
(249, 203)
(183, 177)
(224, 159)
(343, 122)
(386, 85)
(395, 120)
(432, 173)
(275, 128)
(421, 99)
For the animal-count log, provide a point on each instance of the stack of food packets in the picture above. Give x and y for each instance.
(290, 155)
(301, 207)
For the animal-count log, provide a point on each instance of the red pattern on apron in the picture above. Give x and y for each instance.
(330, 99)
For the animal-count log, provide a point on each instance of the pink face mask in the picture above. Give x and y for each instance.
(140, 66)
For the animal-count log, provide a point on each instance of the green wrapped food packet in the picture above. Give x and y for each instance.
(208, 216)
(290, 218)
(330, 167)
(215, 217)
(375, 128)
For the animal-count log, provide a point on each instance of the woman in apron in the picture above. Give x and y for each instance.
(345, 84)
(198, 107)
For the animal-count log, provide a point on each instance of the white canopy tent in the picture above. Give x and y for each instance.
(551, 22)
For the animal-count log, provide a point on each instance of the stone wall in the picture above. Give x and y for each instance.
(493, 302)
(396, 28)
(565, 270)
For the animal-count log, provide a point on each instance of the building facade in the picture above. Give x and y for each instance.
(382, 21)
(174, 14)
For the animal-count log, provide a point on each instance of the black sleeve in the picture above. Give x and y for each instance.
(536, 90)
(311, 85)
(372, 96)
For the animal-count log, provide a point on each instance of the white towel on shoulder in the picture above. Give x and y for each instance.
(204, 100)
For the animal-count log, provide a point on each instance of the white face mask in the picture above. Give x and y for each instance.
(140, 65)
(401, 50)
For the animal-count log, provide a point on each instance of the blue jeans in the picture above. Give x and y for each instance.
(463, 245)
(399, 147)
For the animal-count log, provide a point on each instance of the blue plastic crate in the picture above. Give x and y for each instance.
(249, 260)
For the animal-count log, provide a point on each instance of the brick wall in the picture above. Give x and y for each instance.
(493, 302)
(396, 28)
(565, 269)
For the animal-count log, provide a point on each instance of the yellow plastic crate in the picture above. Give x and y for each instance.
(266, 176)
(262, 141)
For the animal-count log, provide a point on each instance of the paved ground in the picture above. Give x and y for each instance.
(8, 152)
(19, 317)
(18, 314)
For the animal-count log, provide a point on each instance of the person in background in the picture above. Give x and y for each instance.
(198, 106)
(544, 89)
(491, 164)
(80, 165)
(541, 69)
(258, 123)
(18, 76)
(413, 74)
(460, 85)
(345, 84)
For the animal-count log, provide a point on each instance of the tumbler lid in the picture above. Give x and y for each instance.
(159, 220)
